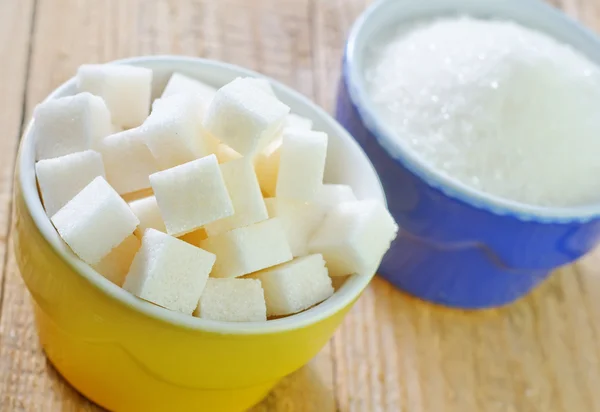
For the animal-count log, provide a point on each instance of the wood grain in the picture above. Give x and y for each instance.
(15, 33)
(393, 352)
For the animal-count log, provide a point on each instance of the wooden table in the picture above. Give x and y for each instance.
(393, 352)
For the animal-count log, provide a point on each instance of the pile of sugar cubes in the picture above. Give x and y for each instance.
(236, 223)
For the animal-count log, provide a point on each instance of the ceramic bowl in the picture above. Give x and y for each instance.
(128, 355)
(458, 246)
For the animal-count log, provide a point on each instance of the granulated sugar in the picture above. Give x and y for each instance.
(499, 107)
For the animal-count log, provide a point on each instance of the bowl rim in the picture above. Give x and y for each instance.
(342, 297)
(451, 187)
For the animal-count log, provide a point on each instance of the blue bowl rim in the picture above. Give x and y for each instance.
(449, 186)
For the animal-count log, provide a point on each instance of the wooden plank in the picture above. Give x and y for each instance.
(15, 32)
(332, 20)
(396, 353)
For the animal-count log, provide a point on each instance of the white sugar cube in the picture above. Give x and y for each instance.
(266, 163)
(146, 210)
(173, 132)
(301, 164)
(191, 195)
(295, 286)
(69, 124)
(246, 197)
(299, 220)
(212, 144)
(354, 236)
(100, 118)
(61, 178)
(248, 249)
(293, 121)
(115, 265)
(128, 161)
(262, 84)
(125, 89)
(225, 153)
(179, 83)
(333, 194)
(95, 221)
(232, 300)
(169, 272)
(244, 116)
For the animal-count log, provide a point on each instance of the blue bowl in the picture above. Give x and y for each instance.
(458, 246)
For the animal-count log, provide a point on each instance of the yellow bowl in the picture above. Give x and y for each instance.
(128, 355)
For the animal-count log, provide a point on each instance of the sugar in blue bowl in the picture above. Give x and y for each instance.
(459, 246)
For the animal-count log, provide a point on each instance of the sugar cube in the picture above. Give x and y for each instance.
(333, 194)
(244, 116)
(146, 210)
(173, 132)
(266, 163)
(248, 249)
(299, 220)
(245, 194)
(295, 286)
(354, 236)
(195, 237)
(225, 153)
(262, 84)
(293, 121)
(95, 221)
(191, 195)
(301, 164)
(128, 161)
(212, 145)
(61, 178)
(169, 272)
(125, 89)
(179, 83)
(232, 300)
(69, 124)
(115, 265)
(100, 119)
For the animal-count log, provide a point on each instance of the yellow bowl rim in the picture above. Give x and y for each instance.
(342, 298)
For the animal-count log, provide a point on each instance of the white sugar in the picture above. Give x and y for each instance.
(501, 108)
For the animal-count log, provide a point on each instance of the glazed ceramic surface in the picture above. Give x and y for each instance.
(458, 246)
(129, 355)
